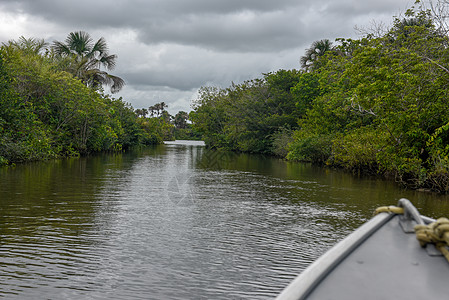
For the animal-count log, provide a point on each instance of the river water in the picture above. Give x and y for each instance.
(177, 221)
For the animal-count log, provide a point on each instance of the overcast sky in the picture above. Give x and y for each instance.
(167, 49)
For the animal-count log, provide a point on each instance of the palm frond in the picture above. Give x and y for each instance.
(118, 83)
(61, 49)
(79, 42)
(312, 54)
(108, 61)
(28, 45)
(100, 46)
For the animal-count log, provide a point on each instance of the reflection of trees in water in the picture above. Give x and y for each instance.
(105, 217)
(324, 185)
(215, 159)
(56, 195)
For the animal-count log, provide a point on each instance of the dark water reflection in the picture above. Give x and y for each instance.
(176, 222)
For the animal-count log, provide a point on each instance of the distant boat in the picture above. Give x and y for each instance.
(381, 260)
(185, 143)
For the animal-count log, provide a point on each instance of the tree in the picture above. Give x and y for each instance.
(141, 112)
(144, 112)
(316, 50)
(87, 59)
(249, 116)
(157, 110)
(180, 119)
(30, 45)
(166, 117)
(209, 115)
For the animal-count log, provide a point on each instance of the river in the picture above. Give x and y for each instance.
(177, 221)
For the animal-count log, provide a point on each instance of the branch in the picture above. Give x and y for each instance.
(434, 62)
(360, 109)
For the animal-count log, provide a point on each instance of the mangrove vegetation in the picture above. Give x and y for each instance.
(52, 102)
(376, 104)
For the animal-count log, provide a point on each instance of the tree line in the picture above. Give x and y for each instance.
(52, 102)
(375, 104)
(177, 127)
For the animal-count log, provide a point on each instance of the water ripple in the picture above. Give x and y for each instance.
(117, 229)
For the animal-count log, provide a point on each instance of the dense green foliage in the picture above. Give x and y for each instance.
(47, 112)
(249, 116)
(166, 126)
(377, 104)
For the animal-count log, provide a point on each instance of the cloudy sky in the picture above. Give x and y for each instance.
(167, 49)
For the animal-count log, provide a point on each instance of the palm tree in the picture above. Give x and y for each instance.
(316, 50)
(157, 110)
(139, 112)
(30, 45)
(88, 57)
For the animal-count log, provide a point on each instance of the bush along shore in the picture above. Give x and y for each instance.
(52, 103)
(377, 104)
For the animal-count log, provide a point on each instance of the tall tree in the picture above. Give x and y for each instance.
(88, 57)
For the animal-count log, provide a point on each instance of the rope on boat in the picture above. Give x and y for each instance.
(389, 209)
(434, 233)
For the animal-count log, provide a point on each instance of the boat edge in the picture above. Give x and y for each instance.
(304, 283)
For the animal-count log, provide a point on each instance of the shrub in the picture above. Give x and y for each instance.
(358, 149)
(312, 148)
(281, 141)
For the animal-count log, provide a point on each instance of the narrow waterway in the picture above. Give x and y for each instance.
(177, 221)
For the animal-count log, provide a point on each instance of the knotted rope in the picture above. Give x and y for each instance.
(435, 233)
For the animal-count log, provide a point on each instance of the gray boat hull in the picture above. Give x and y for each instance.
(377, 261)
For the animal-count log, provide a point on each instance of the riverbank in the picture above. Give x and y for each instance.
(368, 105)
(52, 114)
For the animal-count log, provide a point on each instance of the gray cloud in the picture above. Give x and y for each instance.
(231, 25)
(185, 67)
(241, 32)
(169, 48)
